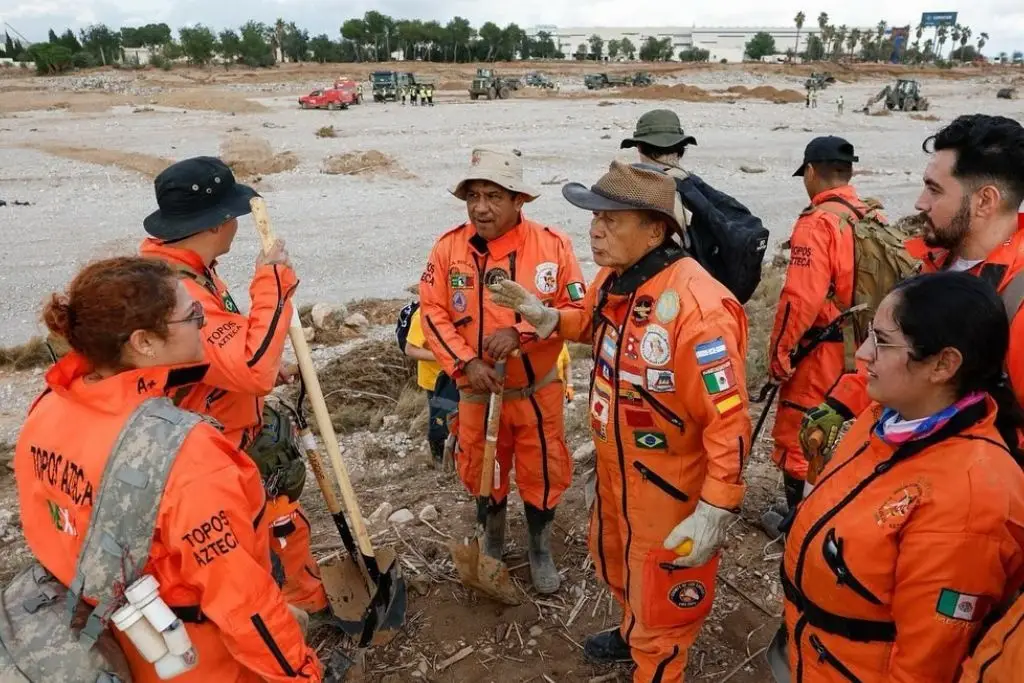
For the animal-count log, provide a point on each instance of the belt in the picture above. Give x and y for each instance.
(857, 630)
(515, 394)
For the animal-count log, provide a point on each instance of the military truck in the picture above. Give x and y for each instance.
(488, 84)
(536, 79)
(605, 80)
(819, 81)
(387, 85)
(1007, 94)
(905, 95)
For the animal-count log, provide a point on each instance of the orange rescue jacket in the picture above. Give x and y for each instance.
(244, 351)
(999, 268)
(896, 555)
(210, 551)
(668, 395)
(999, 657)
(457, 313)
(819, 282)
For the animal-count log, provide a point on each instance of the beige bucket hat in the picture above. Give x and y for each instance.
(501, 167)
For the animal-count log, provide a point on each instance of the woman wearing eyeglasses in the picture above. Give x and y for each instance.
(914, 531)
(134, 334)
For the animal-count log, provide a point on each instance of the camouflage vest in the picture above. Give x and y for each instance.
(47, 632)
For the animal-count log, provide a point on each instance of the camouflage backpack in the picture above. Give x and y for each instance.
(879, 261)
(47, 632)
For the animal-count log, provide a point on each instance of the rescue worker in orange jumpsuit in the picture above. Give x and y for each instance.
(199, 205)
(134, 334)
(467, 334)
(818, 287)
(999, 657)
(915, 529)
(668, 414)
(973, 191)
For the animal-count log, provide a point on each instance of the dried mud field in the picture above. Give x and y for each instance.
(360, 196)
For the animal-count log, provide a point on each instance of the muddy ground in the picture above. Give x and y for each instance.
(360, 207)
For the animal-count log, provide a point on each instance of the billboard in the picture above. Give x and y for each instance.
(933, 19)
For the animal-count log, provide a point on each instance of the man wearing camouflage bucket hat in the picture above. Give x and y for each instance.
(668, 414)
(467, 334)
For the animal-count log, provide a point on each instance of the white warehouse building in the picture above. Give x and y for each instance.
(722, 42)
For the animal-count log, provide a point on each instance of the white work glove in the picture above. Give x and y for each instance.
(511, 294)
(706, 528)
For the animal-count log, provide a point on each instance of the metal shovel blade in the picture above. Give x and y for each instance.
(353, 604)
(483, 573)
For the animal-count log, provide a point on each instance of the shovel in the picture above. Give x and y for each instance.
(476, 569)
(365, 589)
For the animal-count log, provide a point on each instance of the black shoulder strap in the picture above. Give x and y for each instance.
(205, 282)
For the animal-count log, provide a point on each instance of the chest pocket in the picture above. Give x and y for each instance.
(832, 549)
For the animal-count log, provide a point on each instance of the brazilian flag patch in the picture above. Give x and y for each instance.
(229, 303)
(650, 441)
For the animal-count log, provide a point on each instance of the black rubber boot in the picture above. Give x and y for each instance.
(437, 451)
(794, 490)
(494, 529)
(542, 565)
(606, 647)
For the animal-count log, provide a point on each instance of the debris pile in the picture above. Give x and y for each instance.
(364, 163)
(250, 156)
(365, 384)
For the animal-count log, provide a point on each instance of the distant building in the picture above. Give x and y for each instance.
(724, 43)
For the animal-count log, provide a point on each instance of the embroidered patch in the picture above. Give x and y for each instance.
(61, 519)
(632, 350)
(687, 594)
(495, 275)
(650, 441)
(457, 280)
(961, 606)
(459, 301)
(599, 409)
(599, 429)
(711, 351)
(229, 303)
(727, 404)
(667, 307)
(608, 348)
(639, 419)
(546, 278)
(719, 378)
(642, 310)
(576, 291)
(602, 388)
(630, 397)
(604, 369)
(897, 507)
(661, 381)
(654, 346)
(630, 377)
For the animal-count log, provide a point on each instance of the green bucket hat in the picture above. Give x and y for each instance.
(659, 128)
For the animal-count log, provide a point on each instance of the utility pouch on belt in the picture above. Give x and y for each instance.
(278, 453)
(676, 596)
(48, 633)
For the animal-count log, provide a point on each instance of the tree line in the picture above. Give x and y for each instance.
(879, 45)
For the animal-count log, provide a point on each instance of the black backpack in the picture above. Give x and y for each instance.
(404, 322)
(726, 238)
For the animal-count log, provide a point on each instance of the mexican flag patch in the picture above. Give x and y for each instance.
(719, 378)
(575, 290)
(960, 606)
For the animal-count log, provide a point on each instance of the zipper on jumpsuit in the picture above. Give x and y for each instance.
(480, 269)
(622, 455)
(597, 470)
(825, 656)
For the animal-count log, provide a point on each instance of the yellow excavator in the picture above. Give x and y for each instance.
(905, 95)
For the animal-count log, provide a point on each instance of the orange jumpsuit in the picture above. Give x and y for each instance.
(999, 657)
(244, 353)
(669, 418)
(896, 555)
(239, 623)
(819, 286)
(458, 315)
(999, 268)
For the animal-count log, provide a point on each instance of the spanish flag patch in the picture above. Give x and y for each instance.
(727, 404)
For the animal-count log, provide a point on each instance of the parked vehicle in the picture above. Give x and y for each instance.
(387, 85)
(487, 84)
(352, 86)
(328, 98)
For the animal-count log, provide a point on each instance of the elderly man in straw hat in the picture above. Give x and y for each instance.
(668, 412)
(467, 333)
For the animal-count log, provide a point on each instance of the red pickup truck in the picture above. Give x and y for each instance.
(327, 98)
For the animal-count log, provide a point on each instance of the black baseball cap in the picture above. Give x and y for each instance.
(194, 195)
(827, 148)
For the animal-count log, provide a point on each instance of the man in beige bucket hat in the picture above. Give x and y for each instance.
(668, 414)
(467, 334)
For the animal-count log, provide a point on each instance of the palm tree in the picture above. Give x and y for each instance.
(880, 35)
(840, 39)
(954, 33)
(982, 39)
(941, 33)
(852, 40)
(827, 34)
(918, 32)
(965, 35)
(929, 49)
(799, 21)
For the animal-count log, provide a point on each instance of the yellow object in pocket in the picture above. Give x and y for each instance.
(684, 548)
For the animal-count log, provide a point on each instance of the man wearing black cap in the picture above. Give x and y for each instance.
(199, 205)
(668, 415)
(819, 285)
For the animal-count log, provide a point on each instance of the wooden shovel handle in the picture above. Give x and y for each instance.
(491, 439)
(316, 396)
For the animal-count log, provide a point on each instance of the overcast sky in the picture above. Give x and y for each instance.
(1002, 19)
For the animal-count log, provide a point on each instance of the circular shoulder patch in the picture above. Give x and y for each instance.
(667, 307)
(654, 347)
(546, 278)
(642, 308)
(495, 275)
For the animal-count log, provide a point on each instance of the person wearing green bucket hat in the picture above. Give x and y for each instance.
(659, 137)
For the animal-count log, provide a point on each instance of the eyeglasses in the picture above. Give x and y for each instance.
(196, 315)
(875, 344)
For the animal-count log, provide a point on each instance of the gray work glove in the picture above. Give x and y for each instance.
(510, 294)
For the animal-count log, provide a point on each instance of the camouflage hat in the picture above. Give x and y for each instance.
(501, 167)
(629, 187)
(658, 128)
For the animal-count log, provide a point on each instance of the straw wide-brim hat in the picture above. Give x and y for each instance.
(501, 167)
